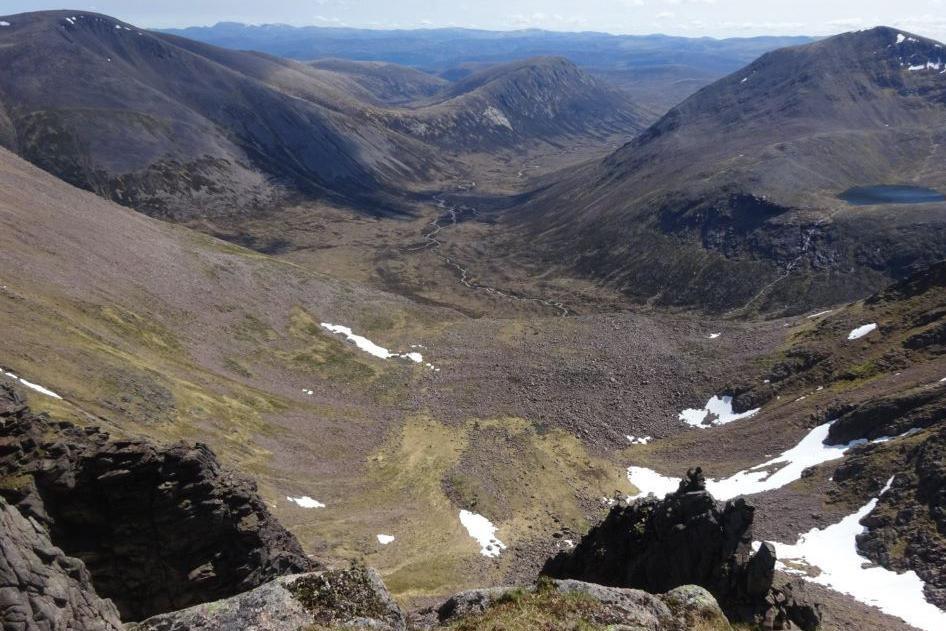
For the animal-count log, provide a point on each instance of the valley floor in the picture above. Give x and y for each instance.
(533, 396)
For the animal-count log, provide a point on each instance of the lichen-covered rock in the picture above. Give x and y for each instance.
(159, 528)
(682, 609)
(42, 589)
(627, 607)
(473, 601)
(695, 608)
(339, 599)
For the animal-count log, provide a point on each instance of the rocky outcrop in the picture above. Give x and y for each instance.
(686, 538)
(339, 599)
(40, 587)
(890, 415)
(686, 607)
(907, 528)
(159, 528)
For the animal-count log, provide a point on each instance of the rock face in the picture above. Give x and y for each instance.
(159, 528)
(686, 538)
(890, 415)
(349, 599)
(907, 529)
(41, 587)
(686, 607)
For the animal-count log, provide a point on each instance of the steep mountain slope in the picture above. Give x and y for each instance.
(889, 388)
(731, 199)
(153, 123)
(182, 129)
(144, 328)
(389, 84)
(847, 427)
(541, 99)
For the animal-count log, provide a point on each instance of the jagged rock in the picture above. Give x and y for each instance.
(657, 545)
(680, 609)
(41, 588)
(890, 415)
(339, 599)
(792, 607)
(159, 528)
(686, 538)
(907, 529)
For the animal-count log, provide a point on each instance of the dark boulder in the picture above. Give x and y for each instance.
(159, 528)
(686, 538)
(40, 587)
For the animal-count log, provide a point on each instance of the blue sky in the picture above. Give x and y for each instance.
(717, 18)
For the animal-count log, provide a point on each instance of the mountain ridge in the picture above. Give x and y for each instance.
(182, 129)
(741, 181)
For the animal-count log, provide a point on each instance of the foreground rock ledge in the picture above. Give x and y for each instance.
(41, 587)
(357, 599)
(158, 527)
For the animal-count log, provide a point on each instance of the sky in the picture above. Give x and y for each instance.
(714, 18)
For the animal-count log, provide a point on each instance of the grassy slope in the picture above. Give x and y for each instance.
(148, 328)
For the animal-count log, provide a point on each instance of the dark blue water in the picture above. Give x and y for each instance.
(883, 194)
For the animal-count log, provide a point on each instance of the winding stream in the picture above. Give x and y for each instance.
(449, 219)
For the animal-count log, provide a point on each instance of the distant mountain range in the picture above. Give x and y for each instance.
(658, 70)
(730, 202)
(174, 127)
(732, 199)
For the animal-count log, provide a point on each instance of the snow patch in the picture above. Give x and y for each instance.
(4, 23)
(768, 476)
(649, 481)
(820, 313)
(643, 440)
(719, 412)
(371, 348)
(33, 386)
(484, 532)
(385, 539)
(833, 550)
(305, 502)
(861, 331)
(713, 336)
(929, 65)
